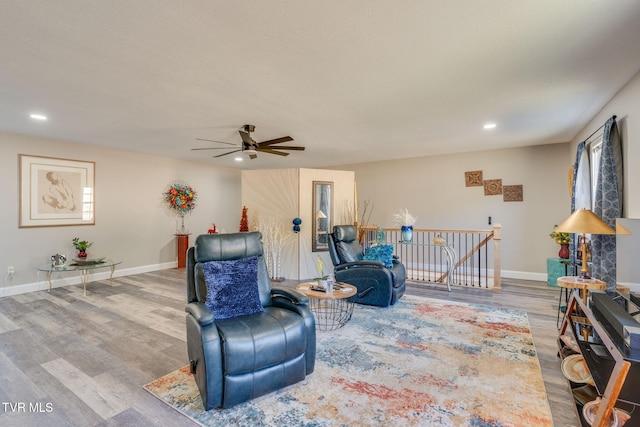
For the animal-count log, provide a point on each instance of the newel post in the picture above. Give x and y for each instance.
(497, 242)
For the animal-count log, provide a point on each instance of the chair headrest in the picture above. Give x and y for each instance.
(344, 233)
(224, 247)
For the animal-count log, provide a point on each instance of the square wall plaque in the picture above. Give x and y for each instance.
(473, 178)
(512, 193)
(492, 187)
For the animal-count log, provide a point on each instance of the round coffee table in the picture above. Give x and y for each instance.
(332, 310)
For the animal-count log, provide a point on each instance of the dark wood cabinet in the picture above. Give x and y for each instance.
(183, 246)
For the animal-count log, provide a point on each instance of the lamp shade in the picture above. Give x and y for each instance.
(586, 222)
(621, 229)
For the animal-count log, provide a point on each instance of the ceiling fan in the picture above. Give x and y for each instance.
(251, 147)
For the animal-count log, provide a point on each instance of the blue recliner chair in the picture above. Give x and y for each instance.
(377, 284)
(235, 358)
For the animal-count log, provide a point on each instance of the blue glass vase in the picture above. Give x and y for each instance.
(407, 233)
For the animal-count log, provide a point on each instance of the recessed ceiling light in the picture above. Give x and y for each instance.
(489, 126)
(38, 116)
(238, 159)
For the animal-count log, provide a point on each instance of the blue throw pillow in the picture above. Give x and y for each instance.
(232, 287)
(382, 253)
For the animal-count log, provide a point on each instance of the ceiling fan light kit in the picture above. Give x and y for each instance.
(251, 147)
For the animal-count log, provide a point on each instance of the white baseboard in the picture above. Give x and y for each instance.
(524, 275)
(60, 279)
(66, 279)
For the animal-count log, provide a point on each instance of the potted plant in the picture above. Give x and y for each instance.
(323, 278)
(81, 246)
(405, 221)
(563, 239)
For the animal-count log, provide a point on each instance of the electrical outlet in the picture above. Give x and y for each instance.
(11, 269)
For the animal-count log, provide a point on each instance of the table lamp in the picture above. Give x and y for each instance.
(583, 221)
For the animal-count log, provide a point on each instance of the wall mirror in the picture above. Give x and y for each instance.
(322, 215)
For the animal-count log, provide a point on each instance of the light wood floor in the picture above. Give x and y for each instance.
(70, 360)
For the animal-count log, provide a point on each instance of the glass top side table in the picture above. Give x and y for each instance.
(84, 267)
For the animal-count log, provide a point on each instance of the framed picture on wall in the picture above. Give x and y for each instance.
(56, 192)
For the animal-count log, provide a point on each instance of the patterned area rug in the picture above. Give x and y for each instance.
(421, 362)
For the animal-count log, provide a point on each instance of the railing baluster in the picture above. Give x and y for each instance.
(426, 262)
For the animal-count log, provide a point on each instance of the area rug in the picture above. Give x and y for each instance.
(422, 362)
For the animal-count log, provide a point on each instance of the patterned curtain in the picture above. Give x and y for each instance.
(608, 205)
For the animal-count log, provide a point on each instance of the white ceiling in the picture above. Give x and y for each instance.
(353, 81)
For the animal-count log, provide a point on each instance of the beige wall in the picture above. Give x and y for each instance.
(342, 191)
(433, 189)
(626, 107)
(283, 194)
(132, 222)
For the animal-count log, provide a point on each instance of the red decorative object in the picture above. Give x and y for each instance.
(244, 221)
(564, 251)
(213, 229)
(82, 254)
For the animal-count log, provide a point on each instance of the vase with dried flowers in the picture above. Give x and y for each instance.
(405, 221)
(181, 199)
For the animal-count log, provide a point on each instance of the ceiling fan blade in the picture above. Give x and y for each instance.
(211, 148)
(271, 151)
(220, 155)
(276, 141)
(293, 147)
(213, 140)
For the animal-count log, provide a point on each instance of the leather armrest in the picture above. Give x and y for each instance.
(292, 295)
(363, 263)
(200, 312)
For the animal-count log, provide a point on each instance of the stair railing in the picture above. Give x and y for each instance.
(475, 254)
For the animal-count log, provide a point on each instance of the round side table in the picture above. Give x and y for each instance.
(331, 310)
(584, 286)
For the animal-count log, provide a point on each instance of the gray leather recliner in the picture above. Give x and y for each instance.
(376, 284)
(240, 358)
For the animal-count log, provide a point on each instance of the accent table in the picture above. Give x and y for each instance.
(576, 282)
(331, 310)
(83, 267)
(583, 286)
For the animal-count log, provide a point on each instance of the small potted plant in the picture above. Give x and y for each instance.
(81, 246)
(405, 221)
(322, 279)
(563, 239)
